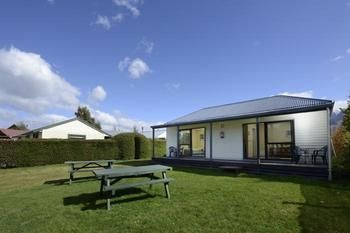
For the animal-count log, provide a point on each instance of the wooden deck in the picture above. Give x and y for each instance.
(251, 166)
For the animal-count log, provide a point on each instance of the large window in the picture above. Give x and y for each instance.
(192, 142)
(279, 139)
(276, 140)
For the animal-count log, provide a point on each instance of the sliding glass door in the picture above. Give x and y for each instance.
(276, 140)
(250, 140)
(192, 142)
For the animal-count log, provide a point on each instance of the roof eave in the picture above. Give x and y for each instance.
(265, 114)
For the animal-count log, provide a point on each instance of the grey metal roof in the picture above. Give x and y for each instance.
(279, 104)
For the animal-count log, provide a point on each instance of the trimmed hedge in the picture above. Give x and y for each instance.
(126, 145)
(32, 152)
(160, 147)
(142, 147)
(22, 153)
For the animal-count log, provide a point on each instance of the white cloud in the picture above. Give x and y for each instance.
(340, 104)
(103, 21)
(118, 18)
(348, 51)
(173, 85)
(118, 122)
(307, 94)
(123, 64)
(51, 1)
(337, 58)
(348, 4)
(131, 5)
(146, 45)
(28, 83)
(98, 94)
(136, 67)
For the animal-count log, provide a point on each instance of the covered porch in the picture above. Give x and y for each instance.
(250, 166)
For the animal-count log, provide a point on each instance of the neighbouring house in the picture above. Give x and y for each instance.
(10, 133)
(75, 128)
(273, 130)
(162, 135)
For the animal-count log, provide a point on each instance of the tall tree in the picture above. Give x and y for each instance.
(346, 117)
(19, 126)
(84, 114)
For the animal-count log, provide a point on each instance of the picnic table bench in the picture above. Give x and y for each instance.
(87, 166)
(110, 178)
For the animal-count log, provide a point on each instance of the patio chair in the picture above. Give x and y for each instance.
(172, 151)
(320, 153)
(297, 152)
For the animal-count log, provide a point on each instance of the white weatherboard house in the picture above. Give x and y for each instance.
(75, 128)
(278, 129)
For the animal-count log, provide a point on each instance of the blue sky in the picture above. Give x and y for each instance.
(139, 62)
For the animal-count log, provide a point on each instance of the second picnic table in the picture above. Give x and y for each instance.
(87, 166)
(110, 177)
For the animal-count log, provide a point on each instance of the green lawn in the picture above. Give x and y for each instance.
(38, 200)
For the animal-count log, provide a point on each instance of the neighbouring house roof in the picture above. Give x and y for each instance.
(162, 135)
(10, 133)
(274, 105)
(64, 122)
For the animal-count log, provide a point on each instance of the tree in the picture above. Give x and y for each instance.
(19, 126)
(84, 114)
(346, 117)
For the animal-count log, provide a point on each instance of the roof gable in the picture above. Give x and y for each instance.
(67, 121)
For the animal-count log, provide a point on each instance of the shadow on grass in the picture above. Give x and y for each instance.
(66, 181)
(326, 208)
(136, 163)
(93, 201)
(207, 171)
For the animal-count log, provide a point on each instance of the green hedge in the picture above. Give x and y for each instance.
(160, 147)
(125, 146)
(22, 153)
(142, 147)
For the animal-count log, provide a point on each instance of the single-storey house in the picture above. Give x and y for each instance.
(276, 129)
(74, 128)
(10, 133)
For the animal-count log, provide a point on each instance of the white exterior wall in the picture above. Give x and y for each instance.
(73, 127)
(310, 129)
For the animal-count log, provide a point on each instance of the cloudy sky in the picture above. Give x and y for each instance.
(142, 62)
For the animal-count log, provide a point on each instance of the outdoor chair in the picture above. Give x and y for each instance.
(297, 152)
(320, 153)
(172, 151)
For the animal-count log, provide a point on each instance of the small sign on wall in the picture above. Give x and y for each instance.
(222, 134)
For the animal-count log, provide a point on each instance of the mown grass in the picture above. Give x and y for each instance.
(38, 199)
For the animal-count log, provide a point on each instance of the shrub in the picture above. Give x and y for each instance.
(126, 145)
(160, 147)
(142, 147)
(341, 163)
(34, 152)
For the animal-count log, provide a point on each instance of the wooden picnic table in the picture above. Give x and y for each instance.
(110, 178)
(87, 166)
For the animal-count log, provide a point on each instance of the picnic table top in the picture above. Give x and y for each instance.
(130, 171)
(91, 161)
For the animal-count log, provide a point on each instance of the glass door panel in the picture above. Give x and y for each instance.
(185, 142)
(250, 140)
(198, 142)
